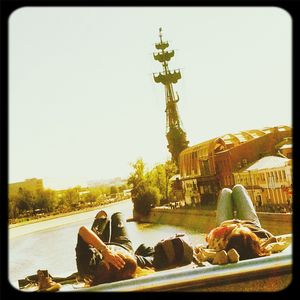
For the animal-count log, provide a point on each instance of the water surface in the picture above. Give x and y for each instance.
(51, 244)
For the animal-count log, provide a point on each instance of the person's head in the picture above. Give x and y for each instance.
(245, 242)
(104, 275)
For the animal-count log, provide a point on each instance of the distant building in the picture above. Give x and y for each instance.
(32, 184)
(117, 181)
(208, 167)
(268, 181)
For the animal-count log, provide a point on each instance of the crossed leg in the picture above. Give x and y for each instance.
(243, 205)
(224, 206)
(119, 233)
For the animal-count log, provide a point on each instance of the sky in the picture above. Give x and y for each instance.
(83, 104)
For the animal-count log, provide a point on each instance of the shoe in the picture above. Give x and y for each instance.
(101, 215)
(233, 256)
(45, 282)
(221, 258)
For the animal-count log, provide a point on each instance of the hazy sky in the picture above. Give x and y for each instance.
(82, 101)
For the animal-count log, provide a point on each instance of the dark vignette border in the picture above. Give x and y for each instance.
(7, 7)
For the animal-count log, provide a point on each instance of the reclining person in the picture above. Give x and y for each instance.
(103, 257)
(239, 234)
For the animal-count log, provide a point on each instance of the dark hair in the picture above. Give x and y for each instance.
(246, 243)
(103, 275)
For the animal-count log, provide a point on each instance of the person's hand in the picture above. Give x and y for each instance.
(109, 257)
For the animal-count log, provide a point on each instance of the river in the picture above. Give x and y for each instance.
(51, 244)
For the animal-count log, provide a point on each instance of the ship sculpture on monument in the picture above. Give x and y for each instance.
(176, 137)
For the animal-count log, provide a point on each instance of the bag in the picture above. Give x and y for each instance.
(174, 251)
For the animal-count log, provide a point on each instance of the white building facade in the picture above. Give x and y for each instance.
(268, 181)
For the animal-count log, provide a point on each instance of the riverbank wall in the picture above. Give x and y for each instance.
(204, 220)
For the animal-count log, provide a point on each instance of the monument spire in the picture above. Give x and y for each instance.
(176, 137)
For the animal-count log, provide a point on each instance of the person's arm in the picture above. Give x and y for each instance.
(108, 256)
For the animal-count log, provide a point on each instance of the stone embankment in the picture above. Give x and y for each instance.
(204, 220)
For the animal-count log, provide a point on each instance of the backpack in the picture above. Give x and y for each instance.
(174, 251)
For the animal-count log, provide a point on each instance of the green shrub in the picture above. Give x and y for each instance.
(145, 199)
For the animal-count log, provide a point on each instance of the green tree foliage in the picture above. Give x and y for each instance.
(71, 197)
(13, 210)
(147, 199)
(137, 178)
(176, 142)
(25, 200)
(46, 200)
(113, 190)
(150, 188)
(170, 170)
(28, 203)
(91, 197)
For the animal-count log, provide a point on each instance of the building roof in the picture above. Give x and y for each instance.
(286, 146)
(268, 162)
(230, 140)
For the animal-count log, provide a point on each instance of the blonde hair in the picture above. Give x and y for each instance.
(143, 271)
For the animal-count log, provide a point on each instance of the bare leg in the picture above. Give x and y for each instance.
(224, 206)
(243, 204)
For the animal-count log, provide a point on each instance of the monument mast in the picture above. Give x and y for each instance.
(176, 137)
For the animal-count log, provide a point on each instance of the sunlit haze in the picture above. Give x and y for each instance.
(83, 104)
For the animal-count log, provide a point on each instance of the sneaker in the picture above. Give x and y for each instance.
(233, 256)
(45, 282)
(101, 215)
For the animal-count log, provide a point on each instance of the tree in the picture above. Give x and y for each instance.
(170, 170)
(12, 206)
(156, 178)
(71, 197)
(45, 200)
(150, 188)
(25, 200)
(113, 190)
(147, 199)
(137, 178)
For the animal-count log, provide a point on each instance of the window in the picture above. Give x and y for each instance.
(201, 189)
(204, 167)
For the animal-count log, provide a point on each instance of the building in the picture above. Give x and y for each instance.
(208, 167)
(32, 185)
(268, 181)
(286, 150)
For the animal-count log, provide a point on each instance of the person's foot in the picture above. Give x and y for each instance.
(233, 256)
(45, 282)
(101, 215)
(221, 258)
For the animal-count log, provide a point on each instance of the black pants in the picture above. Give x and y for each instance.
(110, 232)
(114, 234)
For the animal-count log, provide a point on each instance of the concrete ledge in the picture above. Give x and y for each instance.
(204, 220)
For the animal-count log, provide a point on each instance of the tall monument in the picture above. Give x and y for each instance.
(176, 137)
